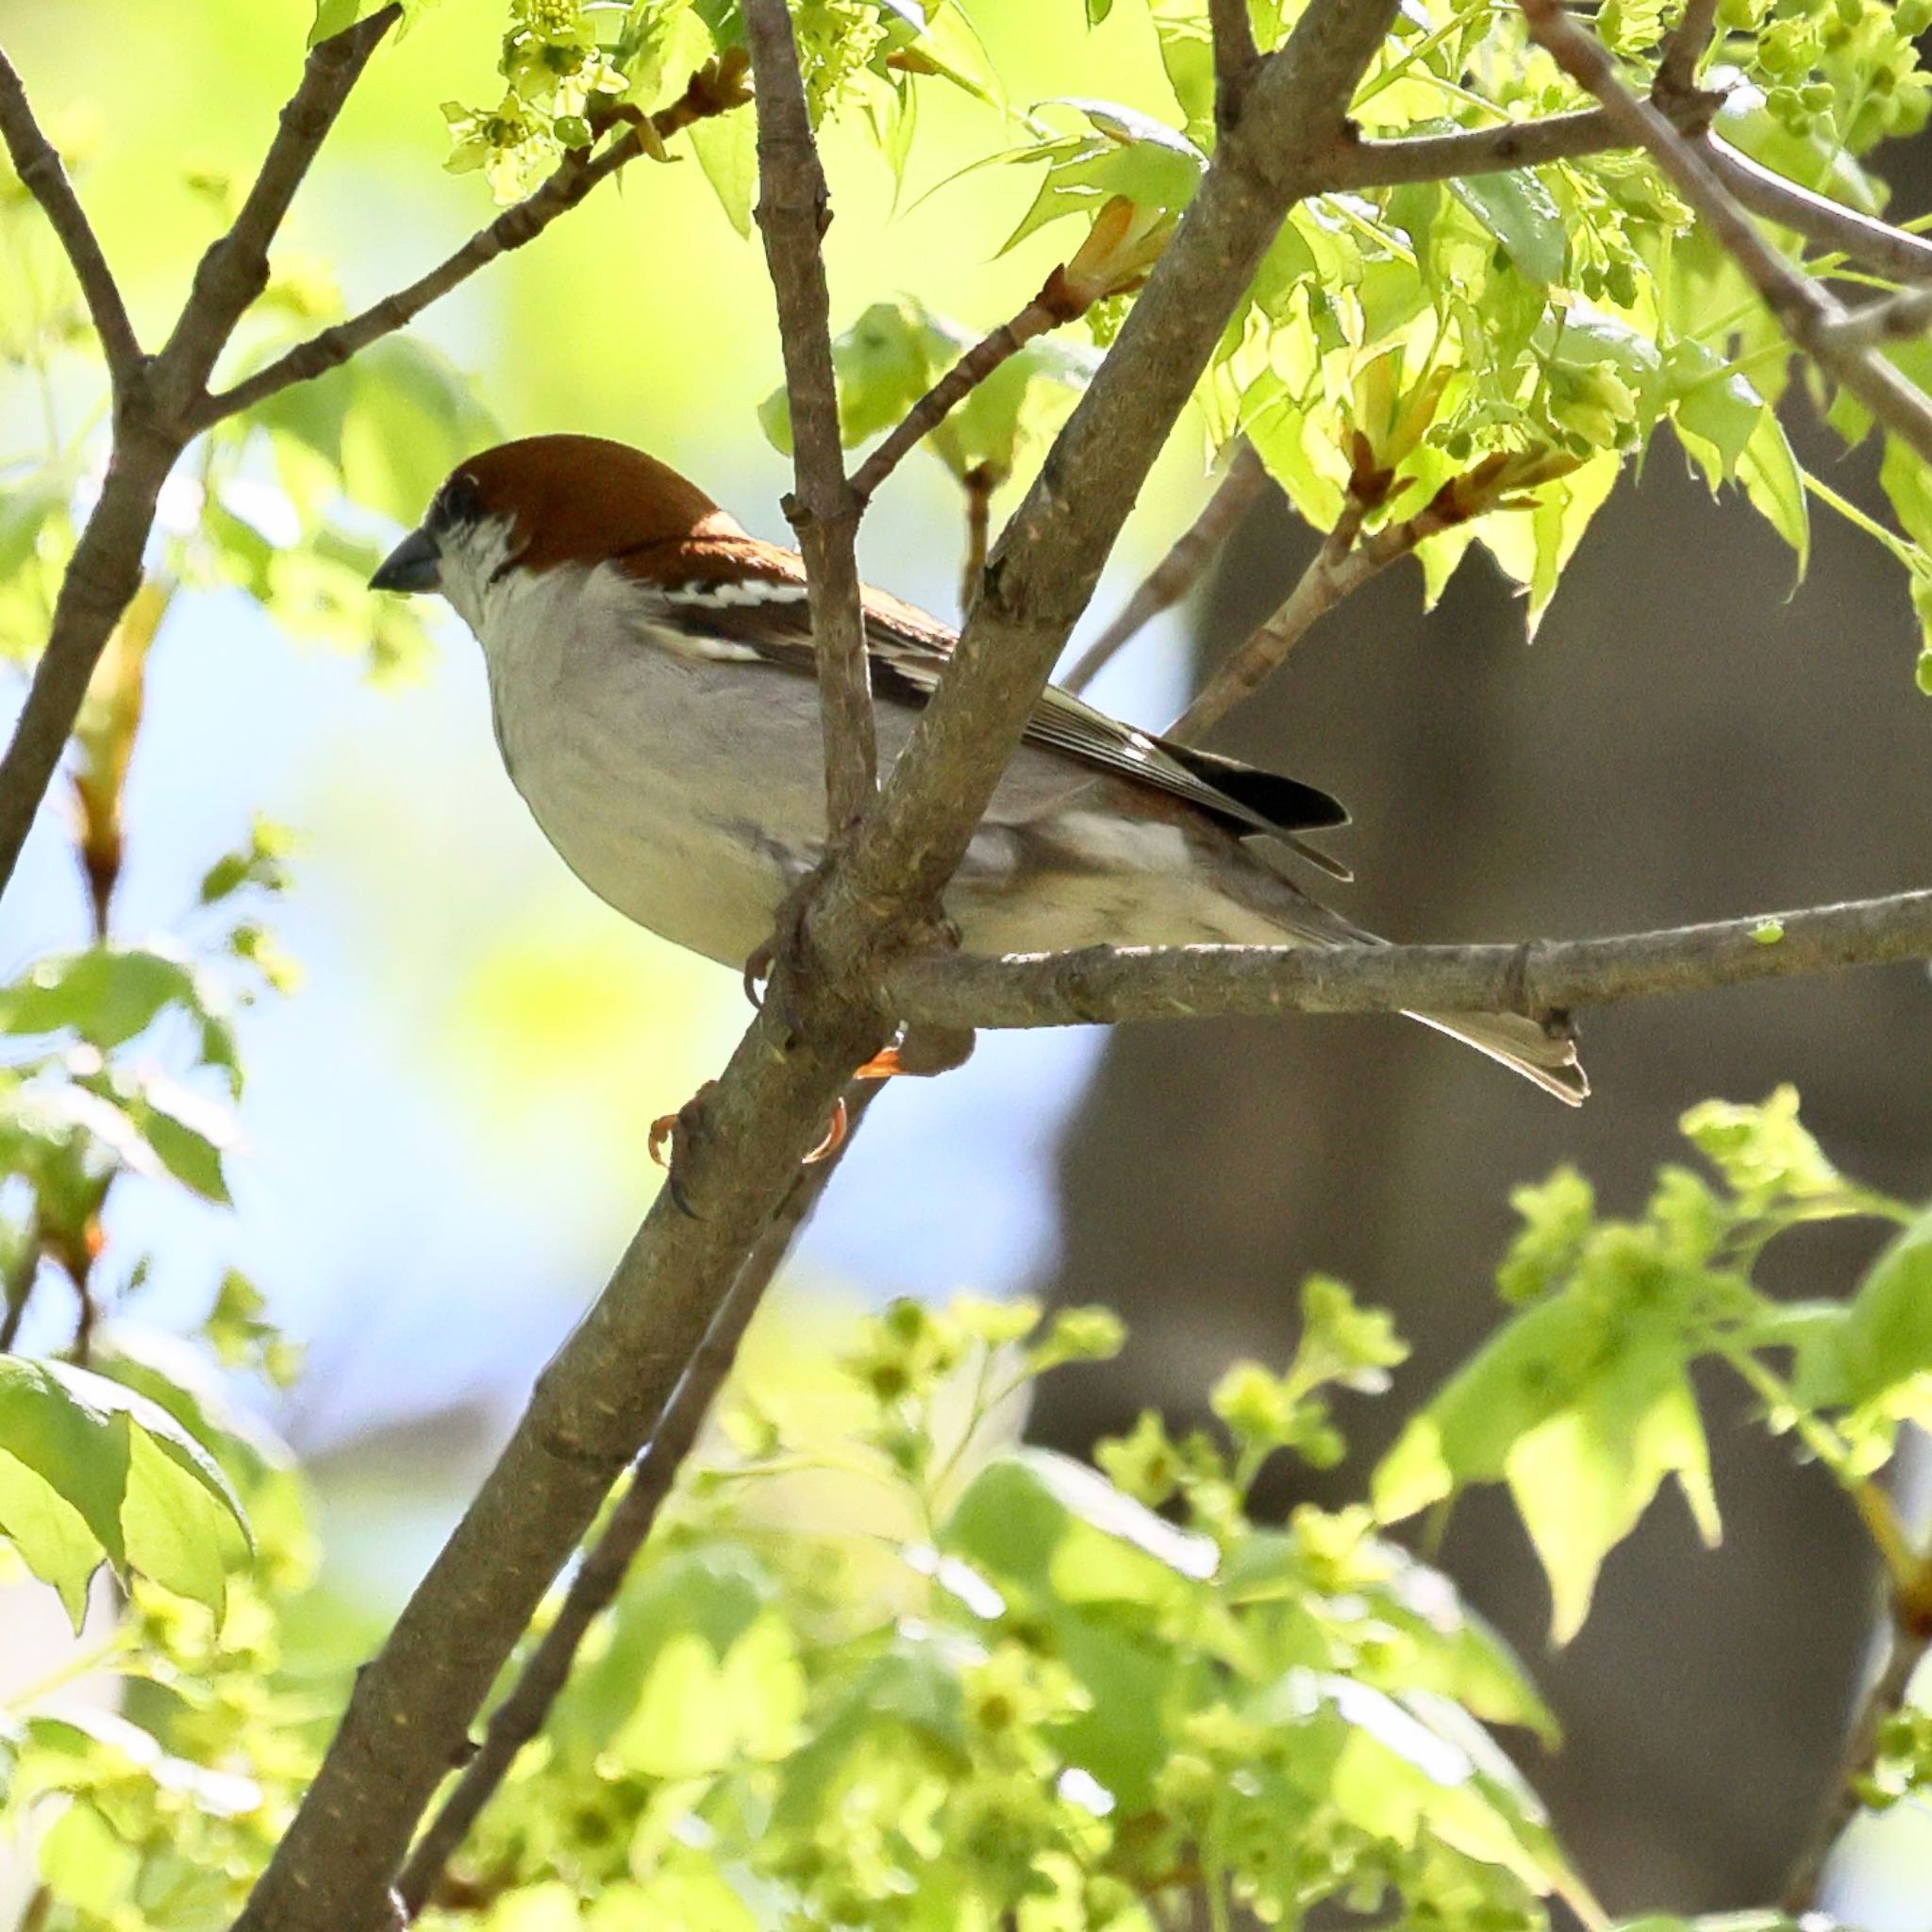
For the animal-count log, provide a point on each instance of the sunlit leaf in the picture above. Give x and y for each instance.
(1518, 211)
(150, 1497)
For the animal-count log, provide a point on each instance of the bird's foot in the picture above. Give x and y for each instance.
(672, 1140)
(786, 943)
(920, 1053)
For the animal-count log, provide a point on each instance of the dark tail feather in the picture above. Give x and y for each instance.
(1518, 1043)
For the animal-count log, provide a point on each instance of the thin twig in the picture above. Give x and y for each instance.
(1105, 984)
(979, 483)
(17, 1287)
(792, 213)
(1177, 572)
(1806, 312)
(1236, 58)
(1906, 313)
(150, 431)
(601, 1575)
(43, 177)
(1047, 310)
(1908, 1641)
(1690, 41)
(234, 270)
(1894, 251)
(716, 88)
(1346, 561)
(1357, 163)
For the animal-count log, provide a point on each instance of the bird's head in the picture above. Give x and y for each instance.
(542, 502)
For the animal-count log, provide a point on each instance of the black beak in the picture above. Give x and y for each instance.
(414, 564)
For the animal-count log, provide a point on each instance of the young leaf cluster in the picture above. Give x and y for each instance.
(1582, 1401)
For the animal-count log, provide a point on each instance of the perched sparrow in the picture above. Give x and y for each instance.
(651, 676)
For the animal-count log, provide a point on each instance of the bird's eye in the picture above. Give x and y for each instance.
(459, 501)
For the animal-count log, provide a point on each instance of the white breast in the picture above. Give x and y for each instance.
(640, 763)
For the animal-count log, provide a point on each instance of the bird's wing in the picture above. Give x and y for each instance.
(751, 605)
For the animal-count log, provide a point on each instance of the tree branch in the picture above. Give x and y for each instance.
(1806, 312)
(600, 1398)
(1909, 1641)
(716, 88)
(233, 271)
(1047, 310)
(1346, 561)
(1050, 557)
(1357, 163)
(1676, 71)
(43, 177)
(1177, 572)
(1236, 58)
(792, 214)
(605, 1392)
(1829, 224)
(152, 426)
(600, 1576)
(1103, 985)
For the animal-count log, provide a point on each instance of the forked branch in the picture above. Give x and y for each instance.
(607, 1561)
(1347, 560)
(152, 419)
(43, 177)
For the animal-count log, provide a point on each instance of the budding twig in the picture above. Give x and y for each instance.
(1346, 561)
(716, 88)
(1177, 572)
(1807, 313)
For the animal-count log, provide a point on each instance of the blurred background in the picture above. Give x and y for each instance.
(446, 1126)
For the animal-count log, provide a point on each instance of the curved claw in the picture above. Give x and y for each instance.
(835, 1135)
(757, 970)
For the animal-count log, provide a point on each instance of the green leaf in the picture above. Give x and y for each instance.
(710, 1596)
(950, 41)
(388, 426)
(1768, 1157)
(1877, 1356)
(150, 1498)
(1715, 408)
(1187, 52)
(1519, 211)
(87, 1865)
(1769, 471)
(897, 350)
(109, 994)
(1582, 1406)
(24, 511)
(1018, 1515)
(334, 17)
(1582, 1479)
(727, 149)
